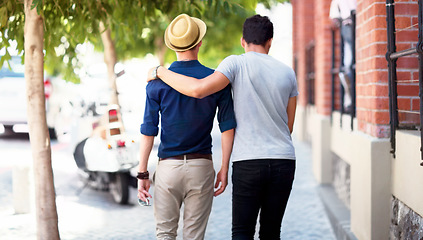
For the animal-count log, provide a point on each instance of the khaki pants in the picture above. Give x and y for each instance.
(183, 181)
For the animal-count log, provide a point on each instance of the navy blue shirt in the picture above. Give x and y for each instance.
(186, 122)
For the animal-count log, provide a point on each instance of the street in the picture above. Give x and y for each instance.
(85, 213)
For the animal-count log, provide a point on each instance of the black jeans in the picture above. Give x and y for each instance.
(260, 185)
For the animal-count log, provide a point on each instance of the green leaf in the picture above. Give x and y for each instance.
(9, 6)
(5, 58)
(3, 16)
(226, 6)
(35, 4)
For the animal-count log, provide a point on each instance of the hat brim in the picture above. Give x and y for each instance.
(201, 26)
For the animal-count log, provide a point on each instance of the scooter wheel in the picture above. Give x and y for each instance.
(119, 187)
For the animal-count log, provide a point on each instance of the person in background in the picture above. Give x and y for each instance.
(263, 156)
(340, 13)
(185, 172)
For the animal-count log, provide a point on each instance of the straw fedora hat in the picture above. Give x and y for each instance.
(184, 33)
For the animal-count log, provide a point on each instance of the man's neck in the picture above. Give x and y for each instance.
(251, 47)
(186, 56)
(256, 48)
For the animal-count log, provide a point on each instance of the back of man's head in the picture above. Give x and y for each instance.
(257, 30)
(184, 33)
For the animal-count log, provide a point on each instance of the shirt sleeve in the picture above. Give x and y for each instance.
(149, 127)
(228, 67)
(294, 91)
(334, 10)
(225, 114)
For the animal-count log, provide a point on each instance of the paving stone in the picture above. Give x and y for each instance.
(93, 214)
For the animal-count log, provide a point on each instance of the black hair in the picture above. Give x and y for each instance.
(257, 30)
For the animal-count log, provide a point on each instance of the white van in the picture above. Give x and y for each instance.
(13, 102)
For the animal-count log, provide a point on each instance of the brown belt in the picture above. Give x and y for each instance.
(189, 156)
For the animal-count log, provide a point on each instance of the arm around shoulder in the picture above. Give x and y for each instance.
(197, 88)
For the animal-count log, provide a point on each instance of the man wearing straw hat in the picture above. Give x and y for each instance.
(263, 155)
(185, 172)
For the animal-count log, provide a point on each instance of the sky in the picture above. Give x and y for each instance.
(281, 17)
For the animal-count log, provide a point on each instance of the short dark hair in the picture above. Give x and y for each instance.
(257, 30)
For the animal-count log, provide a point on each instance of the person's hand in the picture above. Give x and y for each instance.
(150, 75)
(221, 182)
(336, 23)
(143, 187)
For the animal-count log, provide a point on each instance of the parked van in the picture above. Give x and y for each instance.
(13, 101)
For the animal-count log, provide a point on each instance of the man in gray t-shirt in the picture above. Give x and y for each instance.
(263, 155)
(261, 103)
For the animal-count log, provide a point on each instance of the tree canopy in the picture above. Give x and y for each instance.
(137, 27)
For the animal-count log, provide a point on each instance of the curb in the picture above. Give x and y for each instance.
(337, 212)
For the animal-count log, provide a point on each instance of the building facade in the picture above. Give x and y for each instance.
(366, 155)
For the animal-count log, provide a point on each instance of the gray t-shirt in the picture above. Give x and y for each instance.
(261, 87)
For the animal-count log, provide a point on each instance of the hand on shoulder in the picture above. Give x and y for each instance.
(152, 73)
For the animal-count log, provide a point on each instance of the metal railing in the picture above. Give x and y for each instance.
(392, 56)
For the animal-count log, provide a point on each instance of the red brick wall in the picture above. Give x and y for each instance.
(371, 67)
(311, 22)
(323, 55)
(407, 36)
(303, 33)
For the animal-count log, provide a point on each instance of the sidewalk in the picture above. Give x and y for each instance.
(94, 215)
(305, 217)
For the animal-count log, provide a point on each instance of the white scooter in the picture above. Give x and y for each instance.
(107, 156)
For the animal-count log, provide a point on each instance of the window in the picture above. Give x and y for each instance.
(310, 76)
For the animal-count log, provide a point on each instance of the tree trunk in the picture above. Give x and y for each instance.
(45, 202)
(110, 58)
(160, 49)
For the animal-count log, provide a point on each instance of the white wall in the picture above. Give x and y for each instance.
(370, 164)
(407, 174)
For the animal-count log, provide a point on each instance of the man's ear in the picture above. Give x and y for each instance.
(200, 43)
(269, 44)
(243, 43)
